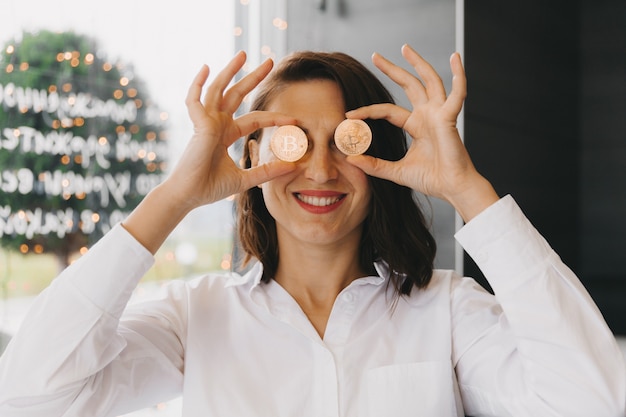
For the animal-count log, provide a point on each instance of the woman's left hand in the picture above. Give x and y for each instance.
(437, 163)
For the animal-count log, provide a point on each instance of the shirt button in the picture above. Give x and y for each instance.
(348, 297)
(482, 256)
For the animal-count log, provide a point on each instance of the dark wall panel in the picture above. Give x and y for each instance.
(603, 131)
(545, 120)
(603, 155)
(521, 112)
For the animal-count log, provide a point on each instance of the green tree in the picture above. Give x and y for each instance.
(81, 143)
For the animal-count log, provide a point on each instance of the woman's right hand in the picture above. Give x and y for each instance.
(206, 172)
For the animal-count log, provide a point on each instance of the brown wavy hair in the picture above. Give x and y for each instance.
(395, 229)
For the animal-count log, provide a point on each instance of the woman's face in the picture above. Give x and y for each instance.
(326, 199)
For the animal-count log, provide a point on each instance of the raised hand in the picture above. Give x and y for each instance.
(437, 162)
(206, 173)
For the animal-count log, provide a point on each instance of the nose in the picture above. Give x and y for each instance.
(320, 165)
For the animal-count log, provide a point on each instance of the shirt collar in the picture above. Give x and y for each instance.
(259, 294)
(382, 268)
(254, 275)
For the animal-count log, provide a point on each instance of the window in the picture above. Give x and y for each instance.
(151, 52)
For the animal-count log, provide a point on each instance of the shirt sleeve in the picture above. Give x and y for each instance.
(73, 357)
(541, 346)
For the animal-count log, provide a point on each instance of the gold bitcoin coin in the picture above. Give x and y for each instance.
(353, 136)
(289, 143)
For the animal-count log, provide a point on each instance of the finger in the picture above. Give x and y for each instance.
(432, 81)
(265, 172)
(377, 167)
(194, 106)
(235, 95)
(394, 114)
(413, 87)
(253, 121)
(459, 84)
(215, 92)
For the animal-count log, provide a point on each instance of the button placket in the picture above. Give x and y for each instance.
(340, 320)
(326, 383)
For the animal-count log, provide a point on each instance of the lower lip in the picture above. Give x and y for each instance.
(319, 209)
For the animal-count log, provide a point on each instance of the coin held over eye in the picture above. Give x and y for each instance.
(353, 136)
(289, 143)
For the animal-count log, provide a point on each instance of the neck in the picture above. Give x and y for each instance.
(323, 274)
(314, 275)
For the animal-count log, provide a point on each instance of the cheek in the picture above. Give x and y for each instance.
(265, 153)
(360, 185)
(358, 179)
(275, 200)
(271, 191)
(366, 193)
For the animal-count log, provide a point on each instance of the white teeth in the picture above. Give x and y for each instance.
(318, 201)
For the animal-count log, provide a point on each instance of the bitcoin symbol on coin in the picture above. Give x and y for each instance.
(289, 143)
(353, 136)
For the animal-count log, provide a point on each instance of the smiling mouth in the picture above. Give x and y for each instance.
(319, 201)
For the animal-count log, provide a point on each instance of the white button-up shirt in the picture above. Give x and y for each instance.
(235, 347)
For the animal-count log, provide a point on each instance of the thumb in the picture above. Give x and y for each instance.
(376, 167)
(265, 172)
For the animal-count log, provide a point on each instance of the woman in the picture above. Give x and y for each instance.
(343, 315)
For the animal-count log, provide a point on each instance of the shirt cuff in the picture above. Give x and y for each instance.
(505, 245)
(109, 272)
